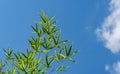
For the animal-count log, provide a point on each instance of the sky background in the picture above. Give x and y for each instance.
(79, 21)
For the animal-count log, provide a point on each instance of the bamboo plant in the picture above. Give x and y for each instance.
(46, 54)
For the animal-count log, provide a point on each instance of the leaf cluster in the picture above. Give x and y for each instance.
(47, 51)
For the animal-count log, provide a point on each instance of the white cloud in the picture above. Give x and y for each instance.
(110, 34)
(110, 29)
(114, 69)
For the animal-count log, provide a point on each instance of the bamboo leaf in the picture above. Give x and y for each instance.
(62, 55)
(51, 18)
(72, 60)
(42, 70)
(51, 61)
(63, 42)
(44, 64)
(75, 52)
(47, 60)
(58, 38)
(70, 49)
(16, 56)
(44, 17)
(44, 51)
(41, 23)
(62, 68)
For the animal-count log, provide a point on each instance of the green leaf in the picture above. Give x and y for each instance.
(21, 55)
(2, 64)
(41, 23)
(75, 52)
(47, 63)
(51, 61)
(16, 56)
(13, 71)
(44, 51)
(44, 17)
(70, 49)
(42, 70)
(62, 55)
(58, 38)
(33, 28)
(62, 68)
(8, 53)
(54, 22)
(24, 55)
(44, 29)
(66, 49)
(54, 39)
(63, 42)
(44, 64)
(72, 60)
(51, 18)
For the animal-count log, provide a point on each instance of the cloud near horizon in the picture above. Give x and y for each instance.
(109, 33)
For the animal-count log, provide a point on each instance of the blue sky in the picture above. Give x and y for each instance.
(78, 20)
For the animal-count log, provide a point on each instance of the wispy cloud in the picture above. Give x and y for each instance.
(109, 32)
(114, 69)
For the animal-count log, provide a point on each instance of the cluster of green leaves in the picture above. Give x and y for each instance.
(45, 55)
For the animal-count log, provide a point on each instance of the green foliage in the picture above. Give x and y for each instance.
(45, 55)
